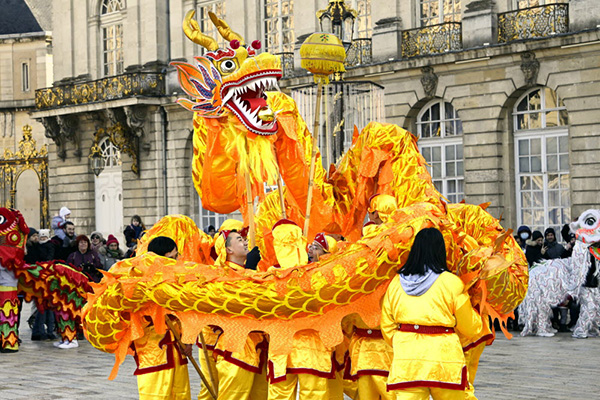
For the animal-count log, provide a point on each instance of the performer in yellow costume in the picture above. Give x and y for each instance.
(370, 355)
(161, 366)
(310, 366)
(422, 311)
(240, 374)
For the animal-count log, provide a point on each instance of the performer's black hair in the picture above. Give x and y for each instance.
(428, 252)
(162, 245)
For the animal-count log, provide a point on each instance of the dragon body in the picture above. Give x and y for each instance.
(53, 285)
(242, 128)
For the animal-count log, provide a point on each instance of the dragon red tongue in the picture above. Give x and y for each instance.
(256, 103)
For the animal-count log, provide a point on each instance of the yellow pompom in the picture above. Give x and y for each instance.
(323, 54)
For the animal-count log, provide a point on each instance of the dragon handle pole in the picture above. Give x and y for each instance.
(191, 358)
(313, 159)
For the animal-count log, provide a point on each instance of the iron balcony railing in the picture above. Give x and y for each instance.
(149, 84)
(433, 39)
(359, 53)
(533, 22)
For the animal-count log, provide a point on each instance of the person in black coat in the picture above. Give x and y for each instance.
(533, 253)
(134, 231)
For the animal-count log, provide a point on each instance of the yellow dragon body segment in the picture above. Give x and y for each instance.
(240, 126)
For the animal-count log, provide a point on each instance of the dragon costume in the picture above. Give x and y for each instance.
(244, 130)
(55, 286)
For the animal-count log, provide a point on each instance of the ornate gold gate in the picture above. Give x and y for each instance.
(12, 165)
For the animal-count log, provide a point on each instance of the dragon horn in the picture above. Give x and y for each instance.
(192, 31)
(224, 29)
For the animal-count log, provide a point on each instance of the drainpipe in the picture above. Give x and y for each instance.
(163, 123)
(163, 115)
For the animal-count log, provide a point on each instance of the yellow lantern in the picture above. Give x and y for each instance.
(323, 54)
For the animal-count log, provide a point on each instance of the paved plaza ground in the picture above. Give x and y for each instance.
(523, 368)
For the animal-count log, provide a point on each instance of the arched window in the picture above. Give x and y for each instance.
(542, 160)
(279, 25)
(110, 153)
(440, 142)
(111, 26)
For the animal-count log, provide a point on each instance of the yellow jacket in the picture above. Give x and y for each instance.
(368, 354)
(156, 352)
(426, 360)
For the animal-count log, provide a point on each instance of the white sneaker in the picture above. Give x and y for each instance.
(545, 334)
(57, 344)
(69, 345)
(579, 336)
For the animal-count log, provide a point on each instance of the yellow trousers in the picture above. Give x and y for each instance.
(236, 383)
(311, 388)
(373, 387)
(472, 359)
(422, 393)
(169, 384)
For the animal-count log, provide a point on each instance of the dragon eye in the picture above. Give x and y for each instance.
(228, 66)
(2, 219)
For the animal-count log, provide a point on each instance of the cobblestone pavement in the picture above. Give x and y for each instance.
(554, 368)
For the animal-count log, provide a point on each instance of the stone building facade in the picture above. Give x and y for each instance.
(503, 94)
(25, 65)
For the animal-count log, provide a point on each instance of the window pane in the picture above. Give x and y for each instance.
(522, 106)
(536, 146)
(563, 118)
(459, 168)
(459, 152)
(536, 164)
(537, 199)
(563, 144)
(523, 147)
(552, 163)
(527, 217)
(537, 182)
(523, 164)
(551, 119)
(437, 170)
(550, 98)
(525, 199)
(450, 153)
(535, 101)
(451, 186)
(437, 153)
(525, 183)
(564, 162)
(450, 169)
(535, 122)
(552, 145)
(522, 121)
(553, 199)
(427, 153)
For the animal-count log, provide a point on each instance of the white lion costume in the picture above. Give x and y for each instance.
(552, 281)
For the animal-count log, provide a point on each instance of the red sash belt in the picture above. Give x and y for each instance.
(370, 333)
(427, 330)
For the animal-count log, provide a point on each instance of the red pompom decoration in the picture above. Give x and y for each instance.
(234, 44)
(257, 44)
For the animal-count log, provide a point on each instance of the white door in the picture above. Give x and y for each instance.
(109, 194)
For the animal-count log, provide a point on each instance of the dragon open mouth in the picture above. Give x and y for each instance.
(246, 98)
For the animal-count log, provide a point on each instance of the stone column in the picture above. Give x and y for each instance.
(387, 39)
(479, 24)
(583, 14)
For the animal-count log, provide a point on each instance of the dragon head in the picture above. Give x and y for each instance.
(233, 80)
(13, 236)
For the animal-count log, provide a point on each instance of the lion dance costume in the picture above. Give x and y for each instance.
(245, 135)
(55, 286)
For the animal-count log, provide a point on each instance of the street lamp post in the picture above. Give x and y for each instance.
(96, 159)
(338, 19)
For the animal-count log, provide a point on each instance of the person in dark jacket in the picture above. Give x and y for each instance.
(569, 239)
(33, 247)
(533, 253)
(86, 259)
(524, 233)
(46, 246)
(134, 231)
(551, 248)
